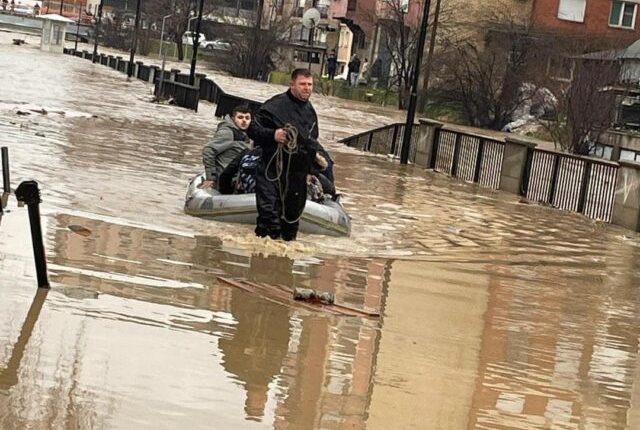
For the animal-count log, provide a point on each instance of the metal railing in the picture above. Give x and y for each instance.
(470, 158)
(564, 181)
(383, 140)
(571, 183)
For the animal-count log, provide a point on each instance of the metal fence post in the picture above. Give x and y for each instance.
(368, 146)
(393, 140)
(5, 170)
(434, 151)
(29, 194)
(456, 155)
(554, 178)
(527, 173)
(584, 186)
(479, 156)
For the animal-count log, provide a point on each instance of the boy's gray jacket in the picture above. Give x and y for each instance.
(227, 143)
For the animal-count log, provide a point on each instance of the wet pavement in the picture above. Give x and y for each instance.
(495, 314)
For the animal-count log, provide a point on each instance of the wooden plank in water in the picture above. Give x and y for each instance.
(284, 295)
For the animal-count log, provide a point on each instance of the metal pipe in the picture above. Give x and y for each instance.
(5, 170)
(29, 194)
(411, 111)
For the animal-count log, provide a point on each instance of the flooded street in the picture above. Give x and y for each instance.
(495, 314)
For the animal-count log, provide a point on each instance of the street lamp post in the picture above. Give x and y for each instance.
(134, 41)
(196, 42)
(164, 18)
(97, 35)
(75, 48)
(411, 111)
(189, 32)
(164, 57)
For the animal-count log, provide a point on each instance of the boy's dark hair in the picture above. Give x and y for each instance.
(241, 108)
(301, 72)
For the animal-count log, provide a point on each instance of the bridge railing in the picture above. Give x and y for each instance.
(596, 188)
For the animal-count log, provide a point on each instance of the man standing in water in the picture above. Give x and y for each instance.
(286, 127)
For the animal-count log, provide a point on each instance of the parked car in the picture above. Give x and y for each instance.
(187, 38)
(23, 10)
(217, 44)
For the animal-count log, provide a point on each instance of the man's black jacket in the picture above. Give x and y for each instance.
(276, 113)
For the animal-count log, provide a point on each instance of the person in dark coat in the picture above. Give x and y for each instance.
(332, 64)
(286, 127)
(354, 70)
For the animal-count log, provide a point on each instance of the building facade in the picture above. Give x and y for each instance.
(612, 19)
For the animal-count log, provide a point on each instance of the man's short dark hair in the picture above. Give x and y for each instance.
(241, 108)
(306, 73)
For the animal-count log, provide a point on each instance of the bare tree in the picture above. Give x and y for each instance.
(399, 40)
(486, 64)
(585, 105)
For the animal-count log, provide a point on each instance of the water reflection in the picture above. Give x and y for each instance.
(9, 374)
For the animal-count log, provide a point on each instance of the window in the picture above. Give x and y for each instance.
(560, 68)
(623, 14)
(306, 57)
(572, 10)
(352, 5)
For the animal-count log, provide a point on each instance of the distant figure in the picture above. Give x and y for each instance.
(364, 70)
(354, 70)
(332, 64)
(229, 140)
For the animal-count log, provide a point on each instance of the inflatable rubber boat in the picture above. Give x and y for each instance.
(328, 218)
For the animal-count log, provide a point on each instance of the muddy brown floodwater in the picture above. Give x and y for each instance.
(495, 314)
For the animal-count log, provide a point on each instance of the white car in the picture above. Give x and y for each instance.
(217, 44)
(23, 10)
(187, 38)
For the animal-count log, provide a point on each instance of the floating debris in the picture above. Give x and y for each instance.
(78, 229)
(311, 295)
(40, 134)
(21, 112)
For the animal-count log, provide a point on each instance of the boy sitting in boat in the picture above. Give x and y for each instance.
(228, 142)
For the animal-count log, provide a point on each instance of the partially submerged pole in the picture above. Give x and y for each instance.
(29, 194)
(413, 99)
(5, 170)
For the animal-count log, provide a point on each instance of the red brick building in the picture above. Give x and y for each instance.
(616, 20)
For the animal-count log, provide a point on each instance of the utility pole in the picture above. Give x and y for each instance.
(249, 69)
(97, 35)
(134, 40)
(411, 111)
(196, 42)
(61, 4)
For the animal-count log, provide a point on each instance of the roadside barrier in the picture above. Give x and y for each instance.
(204, 88)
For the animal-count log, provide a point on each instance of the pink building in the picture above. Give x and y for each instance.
(362, 22)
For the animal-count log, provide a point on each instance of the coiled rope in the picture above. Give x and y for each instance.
(289, 147)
